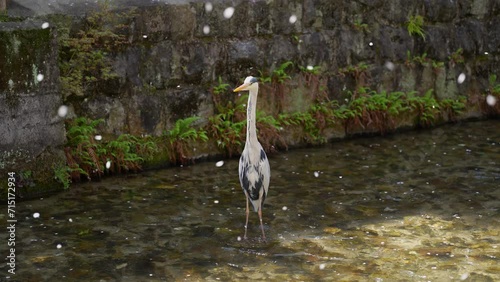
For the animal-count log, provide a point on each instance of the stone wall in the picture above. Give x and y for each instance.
(31, 132)
(173, 61)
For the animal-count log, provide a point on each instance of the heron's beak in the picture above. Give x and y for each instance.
(242, 87)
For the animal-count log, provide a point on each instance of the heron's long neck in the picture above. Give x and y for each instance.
(251, 116)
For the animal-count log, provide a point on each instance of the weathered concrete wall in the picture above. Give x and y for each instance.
(31, 134)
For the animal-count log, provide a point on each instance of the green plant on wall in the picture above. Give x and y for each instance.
(359, 72)
(437, 65)
(280, 74)
(313, 122)
(452, 107)
(277, 80)
(179, 137)
(418, 59)
(381, 110)
(269, 131)
(81, 148)
(304, 120)
(426, 107)
(325, 115)
(368, 108)
(409, 59)
(359, 25)
(126, 153)
(354, 70)
(422, 60)
(494, 87)
(227, 126)
(311, 78)
(456, 57)
(415, 26)
(85, 56)
(227, 133)
(221, 87)
(264, 78)
(313, 70)
(217, 94)
(93, 158)
(490, 100)
(62, 173)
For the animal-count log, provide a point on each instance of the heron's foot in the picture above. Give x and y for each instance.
(245, 236)
(263, 235)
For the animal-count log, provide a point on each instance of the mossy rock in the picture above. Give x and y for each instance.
(34, 177)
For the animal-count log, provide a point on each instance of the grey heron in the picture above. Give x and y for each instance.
(254, 169)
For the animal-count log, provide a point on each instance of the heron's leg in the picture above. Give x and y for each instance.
(246, 222)
(261, 225)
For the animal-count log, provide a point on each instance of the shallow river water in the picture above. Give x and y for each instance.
(415, 206)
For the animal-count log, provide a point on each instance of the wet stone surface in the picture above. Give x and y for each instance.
(417, 206)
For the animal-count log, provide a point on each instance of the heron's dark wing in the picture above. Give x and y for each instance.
(265, 170)
(255, 176)
(249, 177)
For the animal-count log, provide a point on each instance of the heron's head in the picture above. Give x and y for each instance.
(249, 84)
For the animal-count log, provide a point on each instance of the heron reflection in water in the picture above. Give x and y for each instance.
(254, 169)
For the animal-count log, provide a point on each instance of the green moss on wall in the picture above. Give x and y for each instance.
(22, 56)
